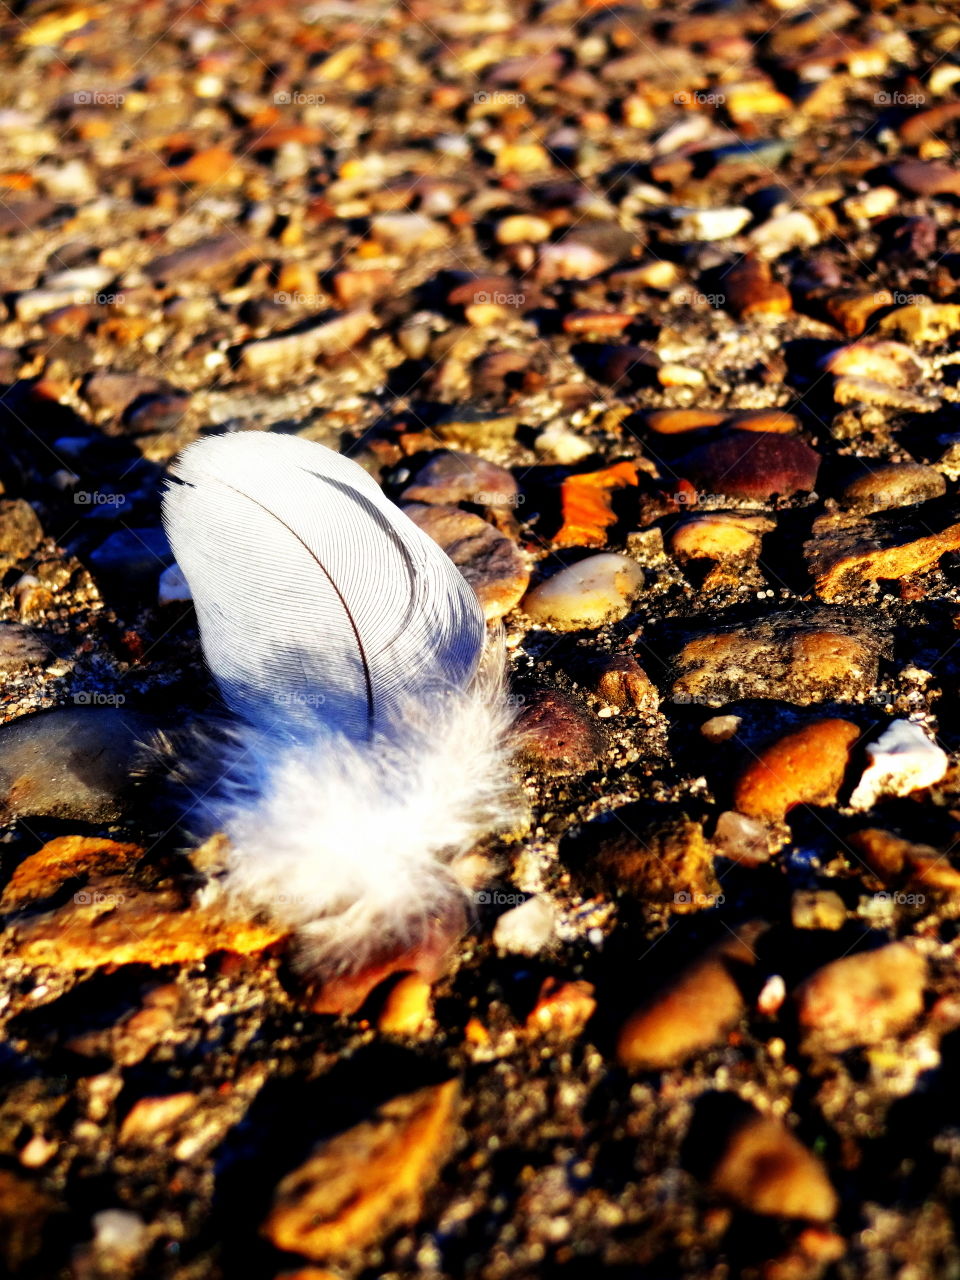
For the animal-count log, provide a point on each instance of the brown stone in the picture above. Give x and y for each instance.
(901, 862)
(20, 530)
(669, 422)
(805, 767)
(562, 1008)
(492, 564)
(329, 335)
(114, 921)
(860, 999)
(720, 537)
(149, 1119)
(801, 660)
(868, 391)
(622, 682)
(661, 860)
(407, 1006)
(557, 736)
(692, 1013)
(751, 290)
(61, 860)
(766, 1170)
(848, 552)
(894, 484)
(368, 1180)
(851, 312)
(890, 362)
(926, 178)
(751, 464)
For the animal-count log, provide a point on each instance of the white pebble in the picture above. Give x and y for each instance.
(526, 929)
(902, 760)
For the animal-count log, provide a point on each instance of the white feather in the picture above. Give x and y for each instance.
(345, 825)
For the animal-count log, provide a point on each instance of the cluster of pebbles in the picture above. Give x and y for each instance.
(648, 316)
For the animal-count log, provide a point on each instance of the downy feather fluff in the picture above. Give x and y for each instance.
(369, 742)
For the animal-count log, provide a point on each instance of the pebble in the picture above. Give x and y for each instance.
(766, 1170)
(63, 859)
(801, 661)
(406, 1009)
(490, 562)
(849, 552)
(20, 530)
(817, 909)
(692, 1013)
(720, 536)
(860, 999)
(893, 484)
(750, 290)
(451, 477)
(742, 839)
(172, 586)
(804, 767)
(875, 202)
(526, 929)
(621, 682)
(851, 390)
(72, 763)
(658, 859)
(113, 921)
(562, 1008)
(744, 464)
(113, 391)
(587, 594)
(670, 422)
(720, 728)
(922, 321)
(710, 224)
(851, 311)
(204, 259)
(559, 443)
(926, 178)
(130, 561)
(522, 229)
(326, 336)
(474, 428)
(903, 759)
(796, 229)
(404, 233)
(367, 1180)
(902, 863)
(889, 362)
(150, 1120)
(557, 736)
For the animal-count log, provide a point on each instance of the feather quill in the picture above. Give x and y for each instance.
(368, 748)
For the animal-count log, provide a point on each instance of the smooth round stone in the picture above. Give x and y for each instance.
(861, 998)
(748, 464)
(804, 767)
(894, 484)
(589, 593)
(719, 537)
(494, 567)
(72, 763)
(452, 477)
